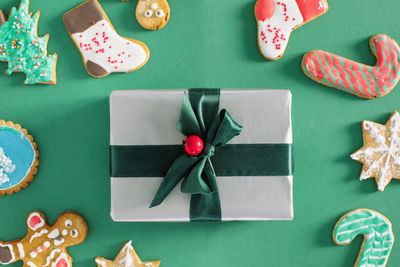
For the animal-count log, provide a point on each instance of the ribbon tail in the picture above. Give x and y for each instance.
(206, 207)
(179, 169)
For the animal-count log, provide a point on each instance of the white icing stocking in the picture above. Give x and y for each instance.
(274, 32)
(100, 44)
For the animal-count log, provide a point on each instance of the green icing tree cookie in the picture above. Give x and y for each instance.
(23, 49)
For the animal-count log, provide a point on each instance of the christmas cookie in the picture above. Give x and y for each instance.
(380, 154)
(18, 158)
(102, 49)
(276, 19)
(23, 49)
(152, 14)
(356, 78)
(377, 232)
(127, 257)
(45, 245)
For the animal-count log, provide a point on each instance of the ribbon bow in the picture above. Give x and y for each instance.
(199, 116)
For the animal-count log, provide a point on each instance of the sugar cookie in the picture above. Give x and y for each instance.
(377, 232)
(276, 19)
(152, 14)
(127, 257)
(355, 78)
(45, 245)
(102, 49)
(23, 49)
(380, 154)
(18, 158)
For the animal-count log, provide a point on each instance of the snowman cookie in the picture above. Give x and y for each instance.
(152, 14)
(276, 19)
(18, 158)
(45, 245)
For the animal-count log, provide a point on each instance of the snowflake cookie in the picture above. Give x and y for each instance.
(380, 154)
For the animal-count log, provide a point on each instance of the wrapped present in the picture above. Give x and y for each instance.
(201, 155)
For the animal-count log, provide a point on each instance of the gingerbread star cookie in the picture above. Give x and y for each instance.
(380, 154)
(127, 257)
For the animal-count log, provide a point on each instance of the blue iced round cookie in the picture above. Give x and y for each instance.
(18, 158)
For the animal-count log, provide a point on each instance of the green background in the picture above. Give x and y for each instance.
(207, 43)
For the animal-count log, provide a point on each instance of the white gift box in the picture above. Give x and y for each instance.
(149, 117)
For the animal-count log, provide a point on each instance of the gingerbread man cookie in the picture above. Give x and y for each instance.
(45, 245)
(276, 19)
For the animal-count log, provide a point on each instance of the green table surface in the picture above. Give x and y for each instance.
(207, 43)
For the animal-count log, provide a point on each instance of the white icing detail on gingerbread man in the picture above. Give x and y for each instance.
(11, 250)
(31, 264)
(274, 32)
(35, 235)
(103, 46)
(35, 221)
(51, 256)
(6, 166)
(21, 250)
(53, 234)
(62, 257)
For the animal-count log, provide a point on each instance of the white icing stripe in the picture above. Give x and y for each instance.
(31, 264)
(51, 256)
(36, 235)
(21, 250)
(103, 46)
(273, 40)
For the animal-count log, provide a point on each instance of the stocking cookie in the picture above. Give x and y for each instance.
(45, 245)
(355, 78)
(18, 158)
(102, 49)
(127, 257)
(276, 19)
(377, 232)
(23, 49)
(380, 154)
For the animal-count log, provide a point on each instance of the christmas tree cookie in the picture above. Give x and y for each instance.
(23, 49)
(18, 158)
(102, 49)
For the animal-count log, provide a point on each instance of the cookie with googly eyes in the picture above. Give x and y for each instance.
(152, 14)
(45, 245)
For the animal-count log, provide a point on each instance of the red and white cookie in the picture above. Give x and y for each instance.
(276, 19)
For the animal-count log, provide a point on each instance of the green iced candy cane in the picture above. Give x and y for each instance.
(23, 49)
(377, 231)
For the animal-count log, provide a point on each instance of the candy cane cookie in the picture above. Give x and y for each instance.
(276, 19)
(361, 80)
(377, 232)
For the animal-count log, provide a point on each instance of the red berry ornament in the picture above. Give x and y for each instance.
(193, 145)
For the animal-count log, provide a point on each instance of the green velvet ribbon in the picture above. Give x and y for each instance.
(199, 116)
